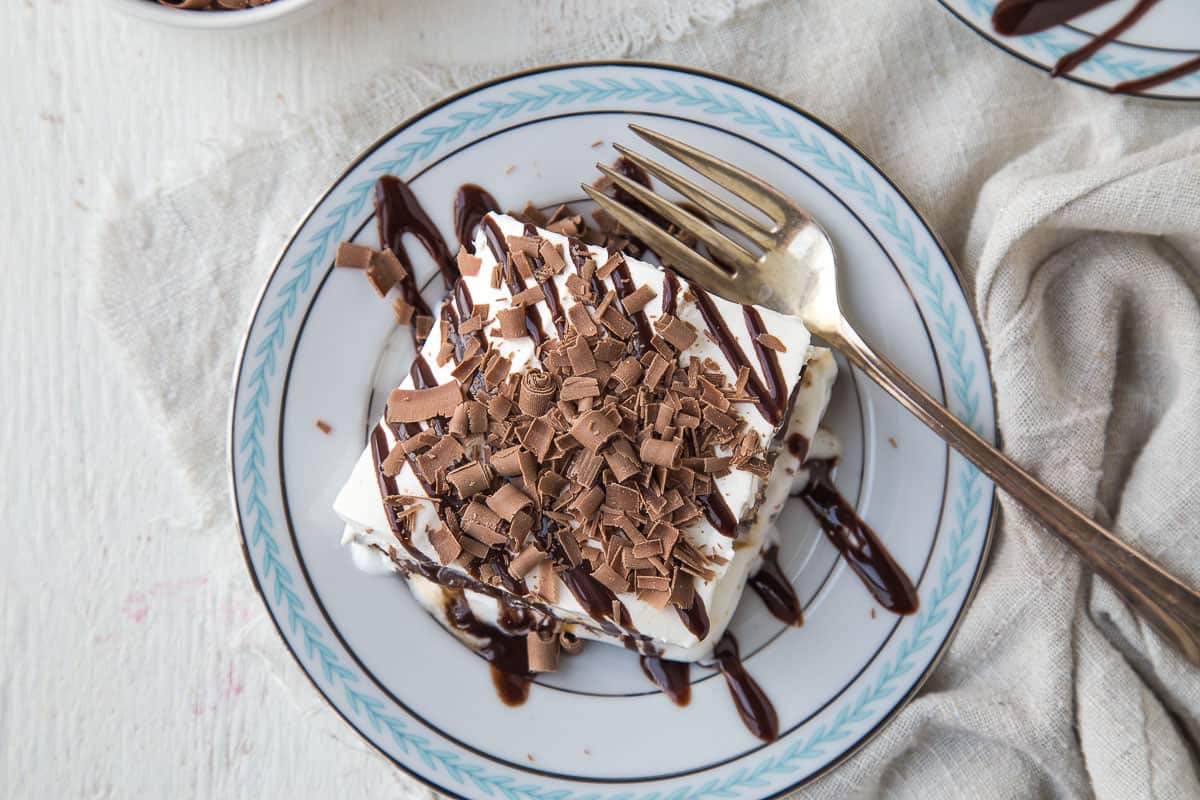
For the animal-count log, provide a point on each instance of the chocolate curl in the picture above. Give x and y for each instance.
(349, 255)
(418, 405)
(537, 393)
(543, 653)
(569, 642)
(660, 453)
(526, 562)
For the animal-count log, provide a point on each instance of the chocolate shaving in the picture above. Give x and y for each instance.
(387, 263)
(473, 547)
(610, 578)
(446, 544)
(623, 498)
(551, 255)
(496, 372)
(537, 393)
(538, 438)
(547, 587)
(579, 388)
(403, 310)
(681, 335)
(482, 524)
(394, 462)
(526, 245)
(512, 323)
(580, 355)
(581, 320)
(638, 299)
(718, 418)
(771, 342)
(593, 429)
(660, 453)
(353, 256)
(507, 462)
(468, 264)
(529, 296)
(526, 562)
(419, 405)
(469, 479)
(621, 452)
(610, 266)
(507, 501)
(618, 323)
(426, 438)
(542, 653)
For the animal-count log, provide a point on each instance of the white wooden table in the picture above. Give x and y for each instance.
(117, 676)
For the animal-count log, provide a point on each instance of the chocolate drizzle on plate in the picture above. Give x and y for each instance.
(775, 590)
(1024, 17)
(471, 204)
(752, 703)
(397, 213)
(505, 650)
(672, 677)
(858, 544)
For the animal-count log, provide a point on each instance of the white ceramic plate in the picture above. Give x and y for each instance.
(1166, 37)
(258, 18)
(321, 345)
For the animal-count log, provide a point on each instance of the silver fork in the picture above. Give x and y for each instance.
(796, 273)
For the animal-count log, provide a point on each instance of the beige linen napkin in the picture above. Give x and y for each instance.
(1076, 218)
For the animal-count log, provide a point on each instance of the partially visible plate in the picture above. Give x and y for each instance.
(322, 346)
(258, 18)
(1165, 37)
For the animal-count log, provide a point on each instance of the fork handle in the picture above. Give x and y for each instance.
(1169, 605)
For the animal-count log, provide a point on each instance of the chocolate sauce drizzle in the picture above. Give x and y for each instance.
(1023, 17)
(858, 544)
(398, 212)
(775, 590)
(672, 677)
(623, 283)
(695, 618)
(498, 244)
(549, 289)
(471, 204)
(752, 703)
(670, 297)
(506, 652)
(771, 399)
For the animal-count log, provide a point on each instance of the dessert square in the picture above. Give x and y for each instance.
(589, 444)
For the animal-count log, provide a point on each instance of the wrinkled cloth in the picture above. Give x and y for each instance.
(1075, 217)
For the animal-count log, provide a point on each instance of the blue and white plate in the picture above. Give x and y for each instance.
(1164, 38)
(322, 346)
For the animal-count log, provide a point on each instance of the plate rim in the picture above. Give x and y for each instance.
(992, 509)
(998, 41)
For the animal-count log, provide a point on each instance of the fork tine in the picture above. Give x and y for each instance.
(747, 226)
(753, 190)
(685, 259)
(720, 244)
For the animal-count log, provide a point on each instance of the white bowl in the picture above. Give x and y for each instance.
(277, 12)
